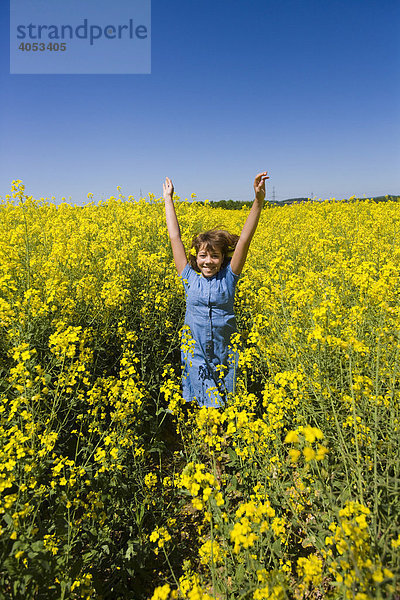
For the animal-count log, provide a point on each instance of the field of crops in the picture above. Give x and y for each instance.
(112, 488)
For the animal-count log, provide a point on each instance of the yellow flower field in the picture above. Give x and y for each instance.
(112, 488)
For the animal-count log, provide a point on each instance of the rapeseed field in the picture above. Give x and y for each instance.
(112, 488)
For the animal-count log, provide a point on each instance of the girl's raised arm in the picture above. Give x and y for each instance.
(174, 232)
(242, 247)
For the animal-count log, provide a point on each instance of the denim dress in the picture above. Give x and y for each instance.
(210, 317)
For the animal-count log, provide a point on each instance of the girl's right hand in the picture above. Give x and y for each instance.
(168, 189)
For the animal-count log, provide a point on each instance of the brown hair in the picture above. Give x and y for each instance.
(214, 239)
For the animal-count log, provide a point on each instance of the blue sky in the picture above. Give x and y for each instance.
(306, 89)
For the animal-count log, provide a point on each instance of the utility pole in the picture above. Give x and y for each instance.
(273, 194)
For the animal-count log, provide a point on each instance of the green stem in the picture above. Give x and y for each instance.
(353, 404)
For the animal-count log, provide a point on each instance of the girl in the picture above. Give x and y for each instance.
(209, 280)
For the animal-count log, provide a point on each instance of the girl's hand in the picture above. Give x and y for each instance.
(259, 185)
(168, 189)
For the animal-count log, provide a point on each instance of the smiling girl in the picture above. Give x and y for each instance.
(209, 279)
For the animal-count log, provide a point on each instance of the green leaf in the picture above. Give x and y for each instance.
(240, 574)
(130, 552)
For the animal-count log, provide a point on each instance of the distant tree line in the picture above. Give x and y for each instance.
(238, 204)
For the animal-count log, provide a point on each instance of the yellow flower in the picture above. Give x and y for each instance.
(396, 542)
(208, 551)
(291, 437)
(310, 569)
(312, 433)
(294, 455)
(309, 453)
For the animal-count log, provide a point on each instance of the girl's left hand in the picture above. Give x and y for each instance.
(168, 189)
(259, 185)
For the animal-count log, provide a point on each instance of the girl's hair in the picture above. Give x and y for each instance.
(214, 239)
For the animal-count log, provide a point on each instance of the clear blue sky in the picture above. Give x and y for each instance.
(307, 89)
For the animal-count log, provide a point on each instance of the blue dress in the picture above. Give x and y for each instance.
(210, 317)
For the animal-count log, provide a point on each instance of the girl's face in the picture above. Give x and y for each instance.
(209, 261)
